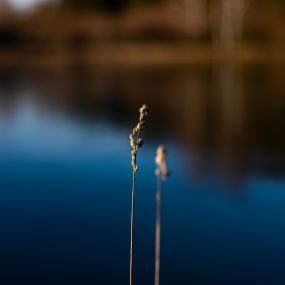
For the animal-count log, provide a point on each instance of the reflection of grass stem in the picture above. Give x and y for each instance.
(162, 173)
(136, 142)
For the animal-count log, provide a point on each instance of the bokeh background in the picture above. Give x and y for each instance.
(73, 74)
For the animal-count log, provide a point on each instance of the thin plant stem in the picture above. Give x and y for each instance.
(161, 173)
(132, 227)
(132, 223)
(157, 231)
(136, 142)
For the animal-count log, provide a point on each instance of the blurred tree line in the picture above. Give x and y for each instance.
(119, 5)
(219, 22)
(105, 5)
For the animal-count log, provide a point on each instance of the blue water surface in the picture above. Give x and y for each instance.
(65, 194)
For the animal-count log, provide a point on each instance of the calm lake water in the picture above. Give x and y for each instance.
(65, 175)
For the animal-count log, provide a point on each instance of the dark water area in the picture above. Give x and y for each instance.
(65, 175)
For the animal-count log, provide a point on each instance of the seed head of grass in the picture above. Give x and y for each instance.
(161, 165)
(135, 140)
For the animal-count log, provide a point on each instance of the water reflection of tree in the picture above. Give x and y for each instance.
(231, 138)
(227, 113)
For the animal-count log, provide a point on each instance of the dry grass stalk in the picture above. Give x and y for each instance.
(136, 142)
(162, 173)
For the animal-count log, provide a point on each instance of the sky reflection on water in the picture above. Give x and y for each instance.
(65, 204)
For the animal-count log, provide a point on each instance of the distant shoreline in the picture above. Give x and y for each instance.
(138, 54)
